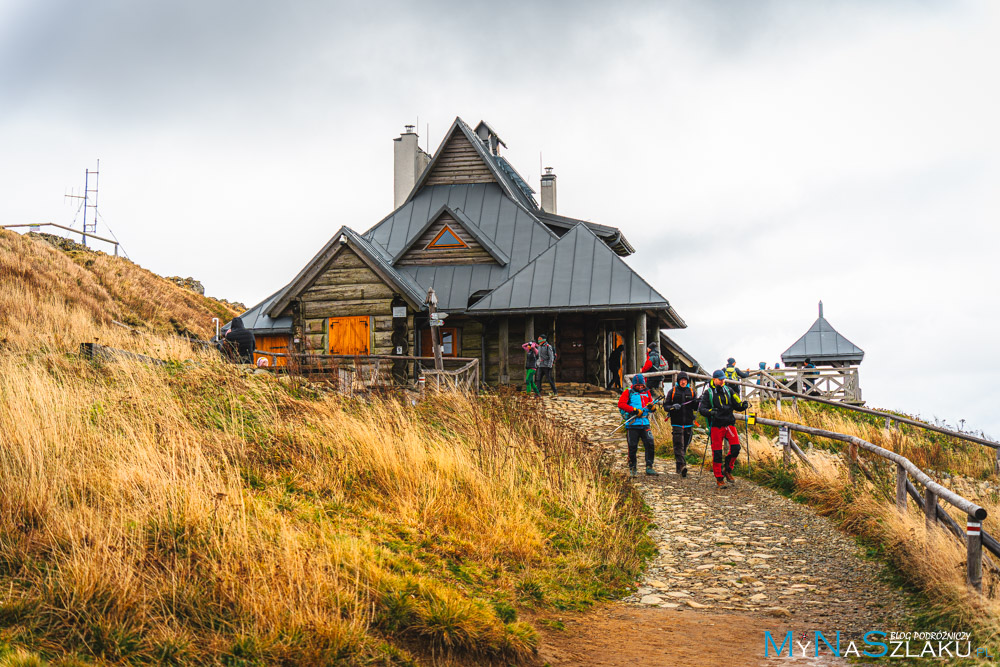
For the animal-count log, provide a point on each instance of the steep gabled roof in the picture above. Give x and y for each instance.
(579, 272)
(369, 253)
(461, 218)
(508, 178)
(822, 343)
(258, 321)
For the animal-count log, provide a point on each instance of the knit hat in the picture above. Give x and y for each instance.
(638, 379)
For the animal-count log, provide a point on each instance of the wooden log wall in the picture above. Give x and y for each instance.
(347, 287)
(420, 255)
(459, 163)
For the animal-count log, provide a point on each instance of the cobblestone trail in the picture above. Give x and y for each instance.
(743, 550)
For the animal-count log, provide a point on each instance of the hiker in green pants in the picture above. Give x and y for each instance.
(530, 368)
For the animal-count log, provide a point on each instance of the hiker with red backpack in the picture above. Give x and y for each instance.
(636, 404)
(654, 364)
(681, 401)
(717, 404)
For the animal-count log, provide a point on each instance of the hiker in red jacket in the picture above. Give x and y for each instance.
(654, 364)
(635, 403)
(717, 404)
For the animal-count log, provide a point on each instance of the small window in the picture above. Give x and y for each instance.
(447, 239)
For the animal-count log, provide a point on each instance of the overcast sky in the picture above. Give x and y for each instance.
(760, 156)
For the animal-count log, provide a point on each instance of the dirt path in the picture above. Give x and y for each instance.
(732, 563)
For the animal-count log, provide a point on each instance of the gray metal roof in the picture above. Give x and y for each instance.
(508, 229)
(579, 272)
(610, 235)
(257, 320)
(822, 343)
(465, 221)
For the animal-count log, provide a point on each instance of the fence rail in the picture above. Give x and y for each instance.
(836, 384)
(975, 537)
(889, 418)
(37, 225)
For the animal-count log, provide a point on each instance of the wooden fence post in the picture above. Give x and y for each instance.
(974, 552)
(900, 487)
(852, 462)
(930, 509)
(996, 467)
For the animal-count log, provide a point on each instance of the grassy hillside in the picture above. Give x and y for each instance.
(933, 563)
(195, 514)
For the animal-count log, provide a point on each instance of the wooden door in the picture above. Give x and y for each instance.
(271, 344)
(349, 335)
(449, 342)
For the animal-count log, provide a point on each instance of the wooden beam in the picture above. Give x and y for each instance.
(529, 327)
(974, 552)
(504, 350)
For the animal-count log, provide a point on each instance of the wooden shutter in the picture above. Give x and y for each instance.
(349, 335)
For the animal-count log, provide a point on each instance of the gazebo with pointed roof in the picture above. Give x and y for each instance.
(824, 346)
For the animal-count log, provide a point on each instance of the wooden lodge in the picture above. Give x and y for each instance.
(504, 269)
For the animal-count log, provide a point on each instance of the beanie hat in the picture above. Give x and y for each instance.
(730, 360)
(638, 379)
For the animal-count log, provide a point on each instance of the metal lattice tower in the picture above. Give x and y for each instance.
(88, 201)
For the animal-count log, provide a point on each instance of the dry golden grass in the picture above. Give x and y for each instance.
(933, 562)
(194, 513)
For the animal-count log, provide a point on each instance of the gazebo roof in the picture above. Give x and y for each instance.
(822, 343)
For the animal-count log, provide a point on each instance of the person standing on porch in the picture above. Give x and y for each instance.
(530, 368)
(636, 403)
(615, 367)
(546, 360)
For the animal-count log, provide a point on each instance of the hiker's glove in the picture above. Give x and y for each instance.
(674, 406)
(636, 411)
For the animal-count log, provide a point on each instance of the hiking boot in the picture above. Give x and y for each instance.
(650, 471)
(721, 483)
(684, 471)
(729, 477)
(632, 472)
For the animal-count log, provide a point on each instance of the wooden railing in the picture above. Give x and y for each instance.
(34, 227)
(836, 384)
(352, 373)
(974, 536)
(890, 419)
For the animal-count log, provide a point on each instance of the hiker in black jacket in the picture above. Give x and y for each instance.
(239, 343)
(718, 402)
(682, 403)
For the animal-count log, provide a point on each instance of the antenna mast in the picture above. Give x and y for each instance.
(90, 227)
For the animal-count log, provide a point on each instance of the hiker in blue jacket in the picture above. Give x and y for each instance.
(636, 403)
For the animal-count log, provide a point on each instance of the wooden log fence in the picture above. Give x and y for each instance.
(974, 536)
(854, 408)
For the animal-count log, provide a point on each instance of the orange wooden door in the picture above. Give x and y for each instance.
(349, 335)
(272, 344)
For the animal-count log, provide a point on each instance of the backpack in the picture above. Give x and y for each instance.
(656, 361)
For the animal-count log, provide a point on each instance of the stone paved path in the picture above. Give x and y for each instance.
(744, 550)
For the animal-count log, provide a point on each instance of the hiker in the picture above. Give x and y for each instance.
(717, 404)
(635, 404)
(654, 363)
(546, 358)
(734, 374)
(530, 367)
(809, 376)
(615, 367)
(238, 344)
(760, 376)
(682, 404)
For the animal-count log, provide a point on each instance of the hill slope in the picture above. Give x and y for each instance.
(195, 514)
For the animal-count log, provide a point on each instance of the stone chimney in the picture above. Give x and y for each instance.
(409, 162)
(549, 191)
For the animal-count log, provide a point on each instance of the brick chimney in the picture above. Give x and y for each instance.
(549, 191)
(409, 162)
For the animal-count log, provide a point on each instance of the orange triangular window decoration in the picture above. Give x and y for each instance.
(447, 239)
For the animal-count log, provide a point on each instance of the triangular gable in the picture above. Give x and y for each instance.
(462, 159)
(579, 273)
(822, 343)
(433, 243)
(369, 254)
